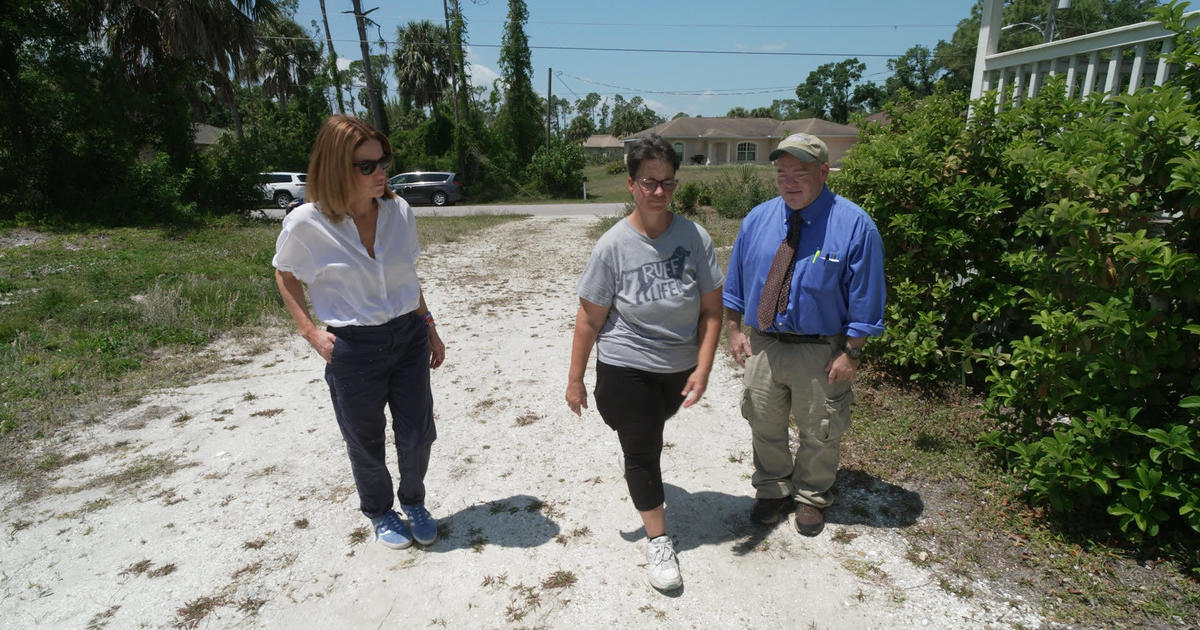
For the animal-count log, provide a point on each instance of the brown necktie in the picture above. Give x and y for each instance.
(777, 288)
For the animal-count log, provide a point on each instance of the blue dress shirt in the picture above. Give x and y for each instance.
(838, 285)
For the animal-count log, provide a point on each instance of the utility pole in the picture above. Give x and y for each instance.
(453, 66)
(549, 103)
(374, 96)
(332, 62)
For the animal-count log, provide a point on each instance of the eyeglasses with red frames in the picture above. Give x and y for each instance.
(366, 167)
(650, 185)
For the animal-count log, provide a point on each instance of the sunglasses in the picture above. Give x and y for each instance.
(367, 167)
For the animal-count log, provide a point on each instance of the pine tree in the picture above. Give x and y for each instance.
(520, 116)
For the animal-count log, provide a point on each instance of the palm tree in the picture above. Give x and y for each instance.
(159, 41)
(218, 33)
(287, 59)
(422, 64)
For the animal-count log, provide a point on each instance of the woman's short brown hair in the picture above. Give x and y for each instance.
(331, 174)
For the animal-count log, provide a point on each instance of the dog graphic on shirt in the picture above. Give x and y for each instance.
(657, 280)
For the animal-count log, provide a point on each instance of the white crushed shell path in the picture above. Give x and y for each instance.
(252, 505)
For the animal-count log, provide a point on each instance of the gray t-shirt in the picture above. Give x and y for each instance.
(653, 289)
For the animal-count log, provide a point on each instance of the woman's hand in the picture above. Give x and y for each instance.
(696, 384)
(576, 397)
(437, 349)
(322, 342)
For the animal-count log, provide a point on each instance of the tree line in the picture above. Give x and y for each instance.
(102, 99)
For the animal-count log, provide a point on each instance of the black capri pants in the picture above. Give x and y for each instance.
(636, 404)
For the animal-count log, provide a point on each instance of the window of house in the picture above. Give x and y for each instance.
(678, 146)
(747, 152)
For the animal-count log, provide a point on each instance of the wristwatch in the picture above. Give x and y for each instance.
(852, 352)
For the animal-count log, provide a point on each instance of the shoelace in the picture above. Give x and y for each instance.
(419, 516)
(391, 521)
(661, 552)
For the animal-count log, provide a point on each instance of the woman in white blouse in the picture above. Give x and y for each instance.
(354, 247)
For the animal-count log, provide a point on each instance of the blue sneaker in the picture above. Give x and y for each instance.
(390, 531)
(424, 528)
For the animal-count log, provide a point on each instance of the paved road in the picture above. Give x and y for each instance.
(539, 210)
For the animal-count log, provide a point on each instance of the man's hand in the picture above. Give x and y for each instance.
(739, 345)
(841, 368)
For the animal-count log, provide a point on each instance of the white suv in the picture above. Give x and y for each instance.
(282, 188)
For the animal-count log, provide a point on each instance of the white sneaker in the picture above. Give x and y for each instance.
(661, 564)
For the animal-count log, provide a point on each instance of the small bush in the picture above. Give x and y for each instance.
(616, 167)
(687, 197)
(735, 195)
(226, 177)
(557, 171)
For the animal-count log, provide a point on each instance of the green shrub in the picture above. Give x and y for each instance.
(1055, 246)
(557, 171)
(226, 177)
(616, 167)
(734, 195)
(687, 197)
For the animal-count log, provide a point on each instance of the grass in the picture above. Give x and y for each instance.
(96, 315)
(978, 526)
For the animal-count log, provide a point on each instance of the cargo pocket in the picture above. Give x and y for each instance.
(836, 419)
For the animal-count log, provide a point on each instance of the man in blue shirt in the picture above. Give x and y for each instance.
(806, 277)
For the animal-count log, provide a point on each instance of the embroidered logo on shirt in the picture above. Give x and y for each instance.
(657, 280)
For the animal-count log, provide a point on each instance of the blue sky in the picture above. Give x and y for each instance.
(766, 47)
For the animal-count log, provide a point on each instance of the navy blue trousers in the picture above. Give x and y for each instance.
(373, 367)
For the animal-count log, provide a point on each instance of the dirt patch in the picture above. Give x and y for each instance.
(239, 483)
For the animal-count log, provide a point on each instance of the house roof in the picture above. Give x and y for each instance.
(602, 141)
(734, 128)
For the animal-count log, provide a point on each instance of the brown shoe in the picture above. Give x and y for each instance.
(767, 511)
(809, 520)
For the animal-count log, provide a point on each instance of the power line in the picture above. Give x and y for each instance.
(701, 92)
(767, 53)
(660, 25)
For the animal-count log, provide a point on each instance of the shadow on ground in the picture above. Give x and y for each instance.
(517, 521)
(715, 518)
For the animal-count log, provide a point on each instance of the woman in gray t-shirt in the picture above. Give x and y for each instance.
(650, 301)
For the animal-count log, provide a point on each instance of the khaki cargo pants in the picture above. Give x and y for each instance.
(783, 380)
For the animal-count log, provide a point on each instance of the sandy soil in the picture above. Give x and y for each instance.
(228, 503)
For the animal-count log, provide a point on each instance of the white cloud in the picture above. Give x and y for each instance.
(343, 63)
(480, 74)
(663, 109)
(741, 46)
(707, 95)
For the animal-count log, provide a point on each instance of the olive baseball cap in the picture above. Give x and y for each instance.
(802, 146)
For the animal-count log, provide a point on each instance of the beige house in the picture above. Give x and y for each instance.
(603, 148)
(745, 140)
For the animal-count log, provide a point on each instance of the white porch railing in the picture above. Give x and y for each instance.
(1093, 63)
